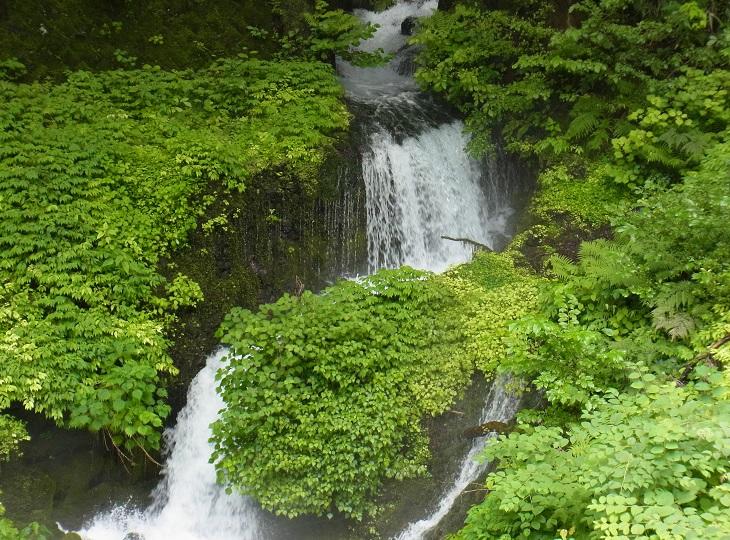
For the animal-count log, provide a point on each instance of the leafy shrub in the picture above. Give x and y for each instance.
(493, 293)
(589, 202)
(12, 433)
(648, 463)
(324, 392)
(555, 91)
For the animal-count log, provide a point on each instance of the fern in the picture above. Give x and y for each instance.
(679, 325)
(582, 125)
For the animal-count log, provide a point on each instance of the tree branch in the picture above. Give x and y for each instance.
(705, 356)
(469, 241)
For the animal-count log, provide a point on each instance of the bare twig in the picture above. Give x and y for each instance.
(122, 456)
(153, 460)
(468, 241)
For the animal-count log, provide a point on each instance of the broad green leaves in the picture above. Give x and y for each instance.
(561, 89)
(625, 105)
(12, 433)
(324, 393)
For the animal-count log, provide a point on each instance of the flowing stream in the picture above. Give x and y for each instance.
(420, 186)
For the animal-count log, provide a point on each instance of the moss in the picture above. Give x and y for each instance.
(251, 247)
(589, 202)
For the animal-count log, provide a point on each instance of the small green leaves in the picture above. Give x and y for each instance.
(100, 177)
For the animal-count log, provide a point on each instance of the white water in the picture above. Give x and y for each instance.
(421, 189)
(383, 81)
(187, 504)
(500, 406)
(420, 183)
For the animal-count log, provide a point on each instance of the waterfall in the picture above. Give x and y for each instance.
(187, 504)
(420, 185)
(499, 406)
(422, 189)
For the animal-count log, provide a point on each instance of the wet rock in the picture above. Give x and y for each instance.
(409, 26)
(487, 428)
(133, 536)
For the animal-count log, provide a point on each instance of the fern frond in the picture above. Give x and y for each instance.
(678, 325)
(561, 266)
(582, 125)
(674, 296)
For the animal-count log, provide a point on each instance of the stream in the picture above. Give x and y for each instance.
(420, 185)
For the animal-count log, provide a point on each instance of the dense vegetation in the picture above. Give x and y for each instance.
(42, 39)
(624, 106)
(325, 392)
(627, 336)
(103, 175)
(634, 336)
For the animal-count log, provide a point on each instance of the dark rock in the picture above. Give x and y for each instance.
(133, 536)
(487, 428)
(409, 26)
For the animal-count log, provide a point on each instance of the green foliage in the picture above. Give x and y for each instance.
(625, 105)
(382, 5)
(588, 202)
(554, 92)
(466, 53)
(683, 118)
(51, 37)
(648, 457)
(7, 529)
(11, 69)
(659, 290)
(99, 178)
(648, 463)
(12, 433)
(668, 263)
(330, 33)
(324, 393)
(493, 294)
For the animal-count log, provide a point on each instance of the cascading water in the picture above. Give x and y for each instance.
(187, 504)
(422, 189)
(420, 185)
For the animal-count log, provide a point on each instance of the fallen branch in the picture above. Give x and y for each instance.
(706, 356)
(468, 241)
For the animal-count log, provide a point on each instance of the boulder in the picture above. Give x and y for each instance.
(409, 26)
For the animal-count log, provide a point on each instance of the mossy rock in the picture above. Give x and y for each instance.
(28, 495)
